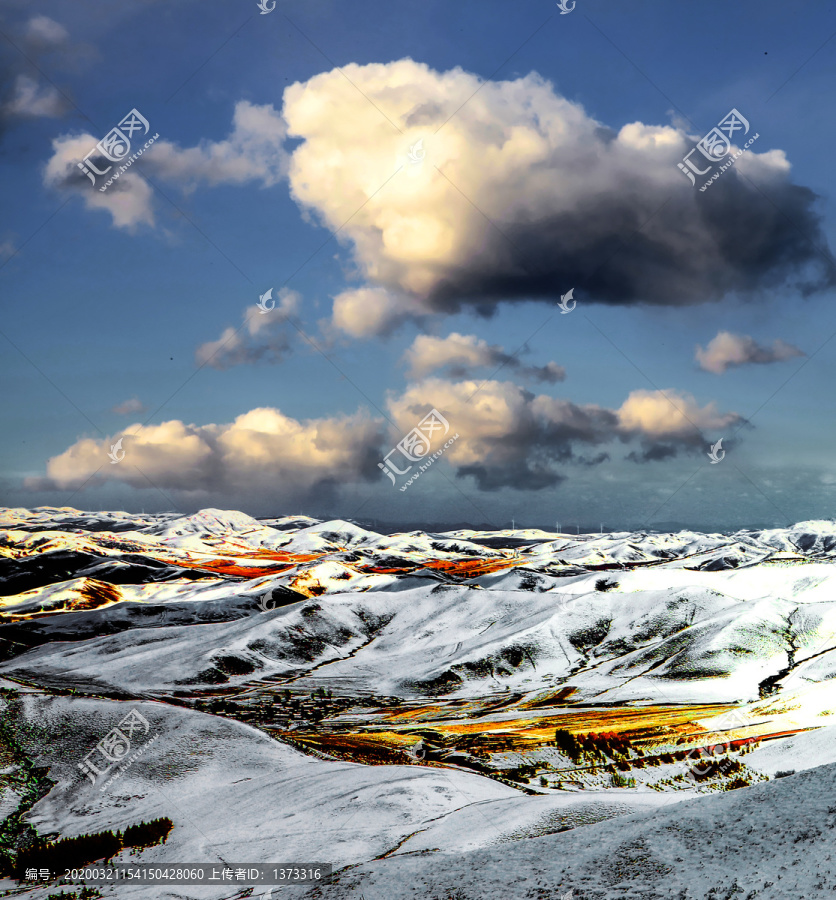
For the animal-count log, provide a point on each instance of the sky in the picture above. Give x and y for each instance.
(551, 255)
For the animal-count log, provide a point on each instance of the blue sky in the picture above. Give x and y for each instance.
(533, 184)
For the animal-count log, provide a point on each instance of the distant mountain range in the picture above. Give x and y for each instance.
(683, 616)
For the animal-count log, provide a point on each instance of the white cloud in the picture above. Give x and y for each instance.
(42, 46)
(129, 407)
(128, 200)
(666, 414)
(728, 350)
(365, 312)
(252, 152)
(512, 438)
(262, 453)
(508, 437)
(46, 32)
(261, 337)
(33, 100)
(458, 353)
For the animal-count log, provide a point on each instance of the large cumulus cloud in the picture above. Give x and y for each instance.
(261, 454)
(522, 195)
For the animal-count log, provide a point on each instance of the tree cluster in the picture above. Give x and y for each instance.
(72, 853)
(592, 747)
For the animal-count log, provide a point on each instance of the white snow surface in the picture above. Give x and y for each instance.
(634, 618)
(773, 840)
(234, 794)
(685, 645)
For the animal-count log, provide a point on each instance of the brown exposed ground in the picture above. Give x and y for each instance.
(388, 737)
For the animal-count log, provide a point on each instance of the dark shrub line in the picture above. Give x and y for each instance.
(72, 853)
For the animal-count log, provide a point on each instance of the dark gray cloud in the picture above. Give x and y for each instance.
(654, 452)
(519, 476)
(695, 249)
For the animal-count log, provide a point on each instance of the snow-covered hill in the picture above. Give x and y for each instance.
(773, 841)
(684, 645)
(479, 643)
